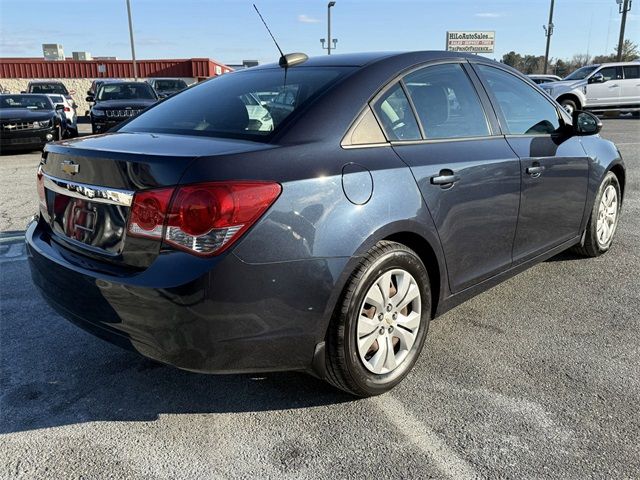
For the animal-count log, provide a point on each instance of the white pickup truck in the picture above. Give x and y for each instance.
(599, 88)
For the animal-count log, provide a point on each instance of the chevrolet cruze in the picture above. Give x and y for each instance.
(387, 189)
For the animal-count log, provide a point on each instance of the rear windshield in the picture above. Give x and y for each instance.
(32, 102)
(125, 91)
(170, 84)
(249, 104)
(49, 88)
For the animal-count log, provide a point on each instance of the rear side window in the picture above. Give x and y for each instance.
(446, 102)
(395, 114)
(525, 109)
(632, 72)
(250, 104)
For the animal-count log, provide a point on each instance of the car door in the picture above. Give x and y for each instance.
(553, 164)
(466, 172)
(606, 93)
(630, 86)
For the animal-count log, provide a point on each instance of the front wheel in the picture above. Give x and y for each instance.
(569, 105)
(603, 222)
(376, 336)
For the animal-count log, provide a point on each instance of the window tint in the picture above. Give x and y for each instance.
(446, 102)
(632, 72)
(525, 109)
(248, 104)
(609, 73)
(397, 118)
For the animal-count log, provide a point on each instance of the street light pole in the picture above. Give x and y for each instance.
(329, 5)
(133, 48)
(548, 31)
(623, 7)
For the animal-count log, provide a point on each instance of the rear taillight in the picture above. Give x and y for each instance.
(204, 219)
(67, 109)
(41, 195)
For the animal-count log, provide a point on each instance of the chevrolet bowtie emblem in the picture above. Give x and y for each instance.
(70, 167)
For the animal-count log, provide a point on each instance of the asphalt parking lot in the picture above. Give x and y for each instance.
(537, 378)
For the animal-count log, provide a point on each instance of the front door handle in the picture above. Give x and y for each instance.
(446, 178)
(614, 85)
(535, 170)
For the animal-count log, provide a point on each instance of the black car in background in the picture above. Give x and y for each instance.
(116, 102)
(28, 121)
(51, 87)
(165, 87)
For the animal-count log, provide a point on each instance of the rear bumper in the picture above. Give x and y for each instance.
(214, 315)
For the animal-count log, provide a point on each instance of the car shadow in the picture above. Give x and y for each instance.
(54, 374)
(566, 256)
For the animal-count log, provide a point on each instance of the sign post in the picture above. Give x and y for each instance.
(471, 42)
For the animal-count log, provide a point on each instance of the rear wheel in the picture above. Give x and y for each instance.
(604, 218)
(377, 334)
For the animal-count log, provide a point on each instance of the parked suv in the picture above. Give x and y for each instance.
(116, 102)
(609, 86)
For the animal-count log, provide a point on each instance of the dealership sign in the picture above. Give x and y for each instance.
(471, 42)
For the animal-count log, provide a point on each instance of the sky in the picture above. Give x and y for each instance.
(230, 31)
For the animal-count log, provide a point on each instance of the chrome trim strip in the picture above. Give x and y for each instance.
(92, 193)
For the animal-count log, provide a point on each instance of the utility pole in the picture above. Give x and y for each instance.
(133, 48)
(548, 31)
(623, 7)
(330, 41)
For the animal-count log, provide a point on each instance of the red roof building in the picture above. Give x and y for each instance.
(199, 68)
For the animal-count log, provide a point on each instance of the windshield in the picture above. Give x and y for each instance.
(32, 102)
(248, 104)
(170, 85)
(580, 74)
(125, 91)
(48, 88)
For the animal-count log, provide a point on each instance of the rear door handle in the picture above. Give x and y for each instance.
(446, 178)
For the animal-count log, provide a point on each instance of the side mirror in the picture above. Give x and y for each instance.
(586, 123)
(89, 99)
(597, 78)
(59, 106)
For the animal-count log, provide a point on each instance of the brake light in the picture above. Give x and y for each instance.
(67, 109)
(204, 219)
(40, 183)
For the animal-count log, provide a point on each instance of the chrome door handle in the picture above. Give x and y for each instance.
(536, 170)
(446, 178)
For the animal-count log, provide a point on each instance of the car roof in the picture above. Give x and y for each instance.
(46, 81)
(614, 64)
(366, 58)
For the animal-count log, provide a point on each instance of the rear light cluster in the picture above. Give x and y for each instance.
(205, 218)
(41, 194)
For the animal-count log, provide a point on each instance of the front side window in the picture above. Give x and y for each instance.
(249, 104)
(446, 102)
(395, 114)
(524, 109)
(609, 73)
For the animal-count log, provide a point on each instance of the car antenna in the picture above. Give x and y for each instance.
(286, 61)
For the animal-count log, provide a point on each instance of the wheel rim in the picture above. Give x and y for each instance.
(388, 321)
(607, 216)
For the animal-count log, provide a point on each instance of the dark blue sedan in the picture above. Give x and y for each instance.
(317, 216)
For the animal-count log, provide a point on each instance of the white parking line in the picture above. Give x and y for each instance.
(450, 464)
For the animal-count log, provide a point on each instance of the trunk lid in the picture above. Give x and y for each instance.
(89, 184)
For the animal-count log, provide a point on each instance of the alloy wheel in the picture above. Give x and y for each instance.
(607, 216)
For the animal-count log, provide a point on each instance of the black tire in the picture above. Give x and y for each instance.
(569, 103)
(345, 369)
(592, 247)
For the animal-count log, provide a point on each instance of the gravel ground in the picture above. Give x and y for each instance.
(537, 378)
